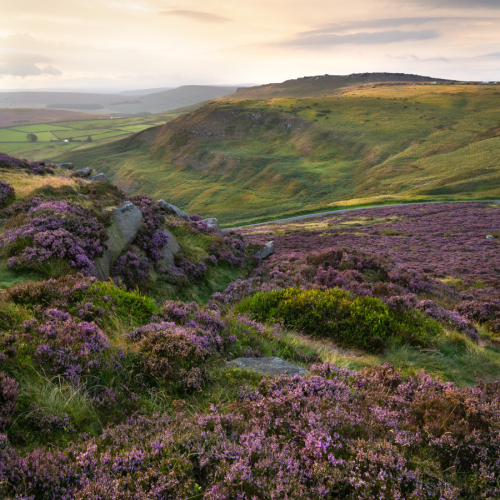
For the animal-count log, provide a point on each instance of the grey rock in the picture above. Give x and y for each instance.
(99, 177)
(265, 252)
(213, 223)
(83, 196)
(126, 221)
(83, 172)
(168, 253)
(68, 166)
(173, 210)
(490, 237)
(268, 366)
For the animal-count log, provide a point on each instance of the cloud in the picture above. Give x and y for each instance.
(389, 22)
(494, 55)
(196, 15)
(467, 4)
(360, 38)
(23, 63)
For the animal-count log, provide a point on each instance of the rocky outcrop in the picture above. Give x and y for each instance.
(173, 210)
(126, 221)
(99, 177)
(168, 253)
(83, 172)
(490, 237)
(265, 252)
(68, 166)
(213, 223)
(268, 366)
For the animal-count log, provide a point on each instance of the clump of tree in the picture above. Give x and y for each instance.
(32, 137)
(89, 138)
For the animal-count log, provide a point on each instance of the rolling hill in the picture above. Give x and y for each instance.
(115, 104)
(325, 84)
(255, 159)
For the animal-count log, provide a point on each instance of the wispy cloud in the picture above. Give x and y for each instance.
(23, 63)
(360, 38)
(466, 4)
(196, 15)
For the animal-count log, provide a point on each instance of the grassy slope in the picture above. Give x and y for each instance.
(322, 85)
(369, 145)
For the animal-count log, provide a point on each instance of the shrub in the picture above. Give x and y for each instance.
(56, 230)
(63, 346)
(85, 298)
(133, 270)
(173, 353)
(7, 194)
(9, 391)
(352, 321)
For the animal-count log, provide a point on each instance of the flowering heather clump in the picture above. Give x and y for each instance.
(334, 434)
(453, 318)
(132, 269)
(63, 346)
(180, 353)
(195, 218)
(7, 194)
(151, 238)
(9, 391)
(56, 229)
(36, 167)
(195, 271)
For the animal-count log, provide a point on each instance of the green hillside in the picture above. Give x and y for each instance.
(254, 159)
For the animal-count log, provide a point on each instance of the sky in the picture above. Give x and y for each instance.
(137, 44)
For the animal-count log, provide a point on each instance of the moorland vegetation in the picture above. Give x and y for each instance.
(120, 389)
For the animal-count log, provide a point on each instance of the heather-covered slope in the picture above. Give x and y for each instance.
(109, 391)
(259, 159)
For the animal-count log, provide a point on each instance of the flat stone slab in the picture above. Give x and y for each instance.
(268, 366)
(265, 252)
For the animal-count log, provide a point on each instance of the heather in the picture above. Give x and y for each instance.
(336, 433)
(121, 387)
(434, 258)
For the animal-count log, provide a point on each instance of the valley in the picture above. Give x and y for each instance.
(252, 160)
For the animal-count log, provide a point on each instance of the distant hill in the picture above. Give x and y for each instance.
(324, 84)
(117, 104)
(144, 91)
(252, 159)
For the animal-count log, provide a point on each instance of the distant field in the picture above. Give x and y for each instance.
(13, 117)
(13, 140)
(257, 159)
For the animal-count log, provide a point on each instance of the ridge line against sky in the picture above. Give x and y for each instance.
(128, 44)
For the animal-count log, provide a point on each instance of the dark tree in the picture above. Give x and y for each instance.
(89, 138)
(32, 137)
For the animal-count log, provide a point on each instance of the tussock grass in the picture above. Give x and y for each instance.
(24, 183)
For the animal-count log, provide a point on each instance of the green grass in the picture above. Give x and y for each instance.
(365, 147)
(13, 140)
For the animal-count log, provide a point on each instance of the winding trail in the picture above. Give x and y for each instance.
(319, 214)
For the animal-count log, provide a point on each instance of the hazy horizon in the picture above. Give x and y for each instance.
(118, 45)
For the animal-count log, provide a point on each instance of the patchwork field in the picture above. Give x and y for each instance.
(51, 136)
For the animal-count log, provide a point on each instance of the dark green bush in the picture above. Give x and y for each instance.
(352, 321)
